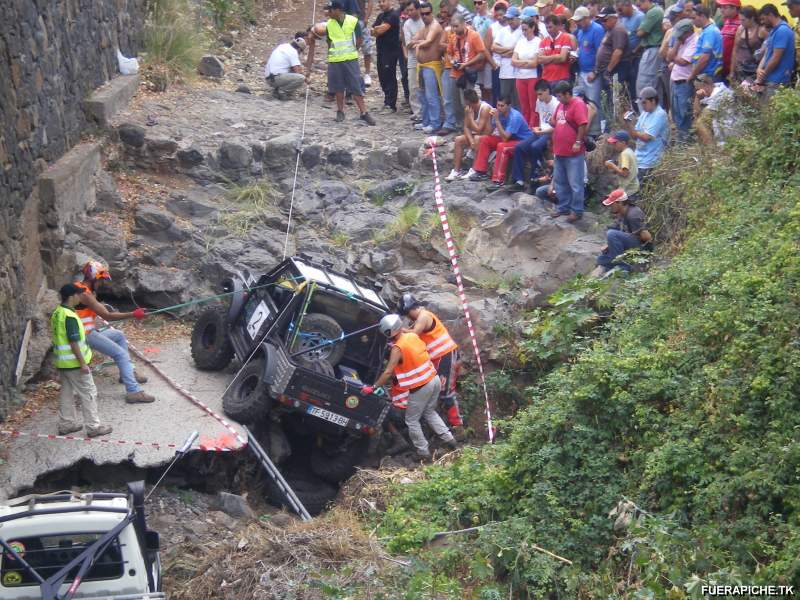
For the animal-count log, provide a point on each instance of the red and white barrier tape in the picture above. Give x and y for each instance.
(186, 394)
(451, 249)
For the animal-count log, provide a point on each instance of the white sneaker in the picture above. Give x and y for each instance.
(428, 129)
(454, 175)
(469, 173)
(419, 126)
(367, 80)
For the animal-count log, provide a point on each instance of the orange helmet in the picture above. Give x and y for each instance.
(95, 270)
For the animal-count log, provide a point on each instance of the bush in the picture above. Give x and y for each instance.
(685, 401)
(173, 41)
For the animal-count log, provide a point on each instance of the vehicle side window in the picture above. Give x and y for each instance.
(49, 553)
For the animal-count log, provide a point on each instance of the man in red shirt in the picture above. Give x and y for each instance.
(731, 22)
(569, 122)
(554, 52)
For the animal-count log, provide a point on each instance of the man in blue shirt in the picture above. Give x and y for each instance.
(631, 19)
(590, 35)
(508, 129)
(707, 56)
(651, 132)
(778, 63)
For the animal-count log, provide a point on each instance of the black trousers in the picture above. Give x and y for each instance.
(404, 76)
(387, 75)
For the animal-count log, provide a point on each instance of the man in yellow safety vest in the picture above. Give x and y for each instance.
(71, 357)
(344, 36)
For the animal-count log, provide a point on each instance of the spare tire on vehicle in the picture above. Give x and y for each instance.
(316, 329)
(211, 346)
(336, 462)
(316, 365)
(247, 399)
(313, 493)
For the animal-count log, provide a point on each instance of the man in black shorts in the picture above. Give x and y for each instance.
(343, 34)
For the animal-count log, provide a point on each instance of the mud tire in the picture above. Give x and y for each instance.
(315, 329)
(248, 399)
(211, 346)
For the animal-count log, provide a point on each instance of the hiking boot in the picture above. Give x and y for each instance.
(339, 116)
(138, 377)
(556, 215)
(573, 217)
(367, 118)
(99, 430)
(423, 457)
(67, 429)
(138, 398)
(459, 433)
(399, 444)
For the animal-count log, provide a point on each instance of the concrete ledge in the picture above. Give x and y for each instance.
(67, 189)
(111, 98)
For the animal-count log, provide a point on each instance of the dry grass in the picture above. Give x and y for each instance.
(264, 561)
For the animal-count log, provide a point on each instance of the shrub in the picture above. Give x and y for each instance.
(173, 41)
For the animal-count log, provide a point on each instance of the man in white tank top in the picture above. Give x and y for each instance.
(477, 122)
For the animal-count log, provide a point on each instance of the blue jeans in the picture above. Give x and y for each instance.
(113, 344)
(594, 93)
(681, 102)
(429, 98)
(618, 243)
(450, 93)
(542, 193)
(531, 149)
(568, 176)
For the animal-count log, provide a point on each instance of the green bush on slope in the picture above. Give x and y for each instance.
(688, 403)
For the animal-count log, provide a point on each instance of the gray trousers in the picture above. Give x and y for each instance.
(413, 85)
(649, 68)
(287, 82)
(422, 403)
(74, 383)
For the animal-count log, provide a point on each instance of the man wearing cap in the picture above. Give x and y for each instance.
(631, 19)
(626, 168)
(570, 123)
(111, 342)
(504, 45)
(707, 56)
(650, 33)
(651, 132)
(590, 36)
(344, 36)
(613, 57)
(284, 72)
(680, 56)
(628, 233)
(730, 25)
(777, 66)
(71, 356)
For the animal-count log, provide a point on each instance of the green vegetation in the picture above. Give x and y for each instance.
(684, 401)
(252, 202)
(173, 41)
(227, 13)
(406, 219)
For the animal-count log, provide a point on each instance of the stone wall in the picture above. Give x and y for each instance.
(53, 53)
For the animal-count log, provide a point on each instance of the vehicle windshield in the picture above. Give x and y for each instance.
(49, 553)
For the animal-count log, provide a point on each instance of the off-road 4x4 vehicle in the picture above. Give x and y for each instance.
(65, 545)
(309, 341)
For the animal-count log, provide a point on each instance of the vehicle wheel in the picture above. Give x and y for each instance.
(315, 329)
(314, 493)
(247, 399)
(211, 346)
(335, 463)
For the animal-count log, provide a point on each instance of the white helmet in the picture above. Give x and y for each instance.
(390, 325)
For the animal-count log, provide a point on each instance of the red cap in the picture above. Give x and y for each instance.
(617, 195)
(736, 3)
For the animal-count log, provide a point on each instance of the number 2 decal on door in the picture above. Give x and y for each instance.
(260, 314)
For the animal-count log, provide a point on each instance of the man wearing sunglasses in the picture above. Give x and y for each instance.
(427, 44)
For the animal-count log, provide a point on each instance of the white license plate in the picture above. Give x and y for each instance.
(328, 416)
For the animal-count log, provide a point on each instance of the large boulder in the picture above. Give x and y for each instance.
(157, 225)
(280, 153)
(211, 66)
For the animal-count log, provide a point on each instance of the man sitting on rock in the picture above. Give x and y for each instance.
(111, 342)
(284, 72)
(477, 122)
(629, 232)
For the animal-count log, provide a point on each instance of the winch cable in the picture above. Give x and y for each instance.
(299, 148)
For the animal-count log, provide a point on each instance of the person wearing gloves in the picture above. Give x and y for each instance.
(111, 342)
(410, 363)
